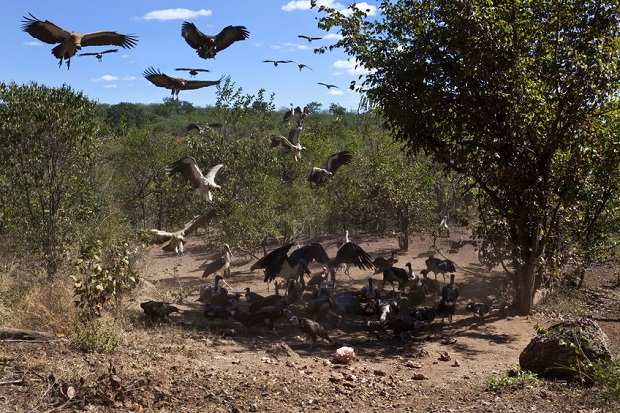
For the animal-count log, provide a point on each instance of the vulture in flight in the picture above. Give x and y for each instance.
(70, 42)
(208, 46)
(276, 62)
(301, 65)
(176, 84)
(177, 238)
(321, 175)
(202, 185)
(327, 85)
(308, 38)
(192, 72)
(292, 143)
(99, 55)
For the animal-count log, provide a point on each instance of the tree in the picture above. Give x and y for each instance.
(520, 96)
(46, 158)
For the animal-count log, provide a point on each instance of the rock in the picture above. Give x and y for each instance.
(564, 349)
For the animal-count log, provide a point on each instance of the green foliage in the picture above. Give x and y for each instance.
(606, 374)
(102, 275)
(513, 379)
(95, 336)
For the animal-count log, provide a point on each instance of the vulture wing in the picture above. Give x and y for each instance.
(281, 140)
(197, 84)
(229, 35)
(98, 53)
(319, 175)
(192, 126)
(46, 31)
(194, 37)
(211, 174)
(198, 222)
(160, 233)
(336, 160)
(159, 79)
(351, 253)
(293, 134)
(272, 262)
(189, 69)
(314, 251)
(187, 167)
(126, 41)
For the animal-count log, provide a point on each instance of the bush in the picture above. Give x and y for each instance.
(96, 336)
(515, 378)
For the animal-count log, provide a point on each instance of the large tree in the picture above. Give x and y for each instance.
(519, 95)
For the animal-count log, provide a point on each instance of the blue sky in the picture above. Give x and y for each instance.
(273, 25)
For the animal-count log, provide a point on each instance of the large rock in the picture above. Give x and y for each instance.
(565, 349)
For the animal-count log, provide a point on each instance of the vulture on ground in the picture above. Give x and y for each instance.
(177, 238)
(70, 42)
(99, 55)
(192, 72)
(221, 264)
(158, 310)
(335, 161)
(176, 84)
(311, 328)
(208, 46)
(327, 85)
(202, 185)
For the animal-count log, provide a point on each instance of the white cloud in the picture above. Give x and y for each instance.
(176, 14)
(333, 36)
(105, 78)
(305, 5)
(335, 92)
(33, 44)
(349, 66)
(110, 86)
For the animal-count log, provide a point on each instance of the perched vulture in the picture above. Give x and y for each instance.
(308, 38)
(208, 46)
(320, 175)
(99, 55)
(70, 42)
(192, 72)
(276, 62)
(177, 238)
(176, 84)
(200, 129)
(327, 85)
(202, 185)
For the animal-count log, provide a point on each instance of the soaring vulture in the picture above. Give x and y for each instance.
(292, 143)
(99, 55)
(276, 62)
(70, 42)
(335, 161)
(301, 65)
(202, 185)
(192, 72)
(208, 46)
(176, 84)
(177, 238)
(308, 38)
(327, 85)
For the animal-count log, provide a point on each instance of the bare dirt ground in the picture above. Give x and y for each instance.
(194, 364)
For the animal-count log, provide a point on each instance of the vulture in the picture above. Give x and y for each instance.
(177, 238)
(276, 62)
(200, 129)
(327, 85)
(220, 264)
(321, 175)
(99, 55)
(308, 38)
(202, 185)
(290, 112)
(158, 310)
(70, 42)
(176, 84)
(192, 72)
(208, 46)
(311, 328)
(292, 143)
(301, 65)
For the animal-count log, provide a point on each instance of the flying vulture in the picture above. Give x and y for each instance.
(203, 186)
(70, 42)
(320, 175)
(276, 62)
(327, 85)
(176, 84)
(99, 55)
(308, 38)
(301, 65)
(292, 143)
(208, 46)
(192, 72)
(177, 238)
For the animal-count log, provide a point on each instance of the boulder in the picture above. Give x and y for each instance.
(565, 349)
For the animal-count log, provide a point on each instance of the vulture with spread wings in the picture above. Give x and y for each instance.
(99, 55)
(202, 185)
(70, 42)
(177, 238)
(335, 161)
(208, 46)
(308, 38)
(192, 72)
(291, 144)
(176, 84)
